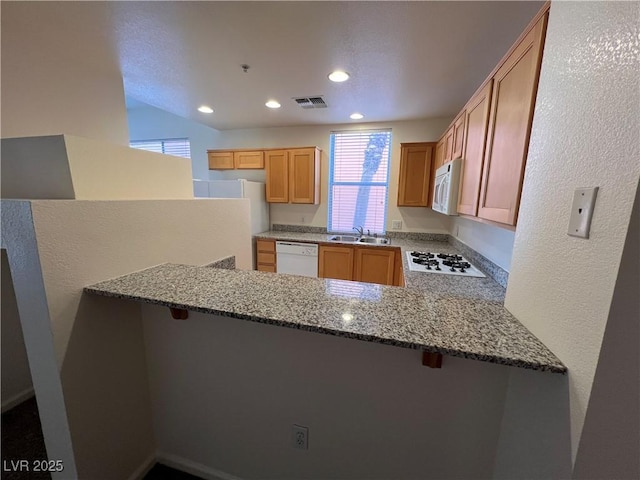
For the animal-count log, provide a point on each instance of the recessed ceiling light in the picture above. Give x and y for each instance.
(205, 109)
(272, 104)
(356, 116)
(338, 76)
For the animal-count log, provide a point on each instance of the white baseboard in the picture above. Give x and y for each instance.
(9, 403)
(187, 466)
(143, 469)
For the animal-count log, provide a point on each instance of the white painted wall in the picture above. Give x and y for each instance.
(585, 133)
(493, 242)
(96, 351)
(16, 377)
(45, 93)
(150, 123)
(610, 440)
(226, 393)
(414, 219)
(66, 167)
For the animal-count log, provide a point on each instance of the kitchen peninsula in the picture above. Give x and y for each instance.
(436, 322)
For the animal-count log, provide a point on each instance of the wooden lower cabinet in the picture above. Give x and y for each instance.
(374, 265)
(266, 255)
(361, 264)
(335, 262)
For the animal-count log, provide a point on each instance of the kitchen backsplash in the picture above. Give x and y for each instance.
(500, 275)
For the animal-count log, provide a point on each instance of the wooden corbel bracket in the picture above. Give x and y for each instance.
(432, 360)
(179, 313)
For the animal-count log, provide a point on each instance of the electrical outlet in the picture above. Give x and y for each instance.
(396, 224)
(300, 437)
(584, 200)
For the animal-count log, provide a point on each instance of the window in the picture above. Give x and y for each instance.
(179, 147)
(358, 180)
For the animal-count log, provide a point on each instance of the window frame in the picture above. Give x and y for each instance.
(331, 182)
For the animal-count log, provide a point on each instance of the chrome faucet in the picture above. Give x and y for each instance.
(360, 230)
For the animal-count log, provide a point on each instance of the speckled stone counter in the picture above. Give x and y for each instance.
(467, 287)
(441, 320)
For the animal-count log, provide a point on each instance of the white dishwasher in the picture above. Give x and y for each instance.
(297, 258)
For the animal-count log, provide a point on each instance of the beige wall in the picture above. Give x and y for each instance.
(70, 167)
(46, 93)
(96, 344)
(413, 219)
(227, 392)
(585, 133)
(150, 123)
(16, 377)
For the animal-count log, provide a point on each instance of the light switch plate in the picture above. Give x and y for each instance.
(584, 200)
(396, 224)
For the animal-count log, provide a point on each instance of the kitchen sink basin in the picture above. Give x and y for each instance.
(374, 240)
(344, 238)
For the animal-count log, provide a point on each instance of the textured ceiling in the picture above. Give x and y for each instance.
(408, 60)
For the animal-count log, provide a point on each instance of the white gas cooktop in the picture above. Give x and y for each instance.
(446, 263)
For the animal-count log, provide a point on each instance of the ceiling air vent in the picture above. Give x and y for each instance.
(311, 102)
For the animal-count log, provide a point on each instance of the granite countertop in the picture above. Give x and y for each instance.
(467, 287)
(440, 319)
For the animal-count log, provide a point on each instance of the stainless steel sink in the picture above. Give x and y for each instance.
(344, 238)
(374, 240)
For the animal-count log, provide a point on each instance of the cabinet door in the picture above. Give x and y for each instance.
(220, 160)
(277, 175)
(477, 114)
(415, 175)
(304, 175)
(335, 262)
(374, 265)
(248, 159)
(439, 157)
(514, 92)
(458, 136)
(448, 146)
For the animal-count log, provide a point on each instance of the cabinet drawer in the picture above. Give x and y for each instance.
(266, 246)
(266, 268)
(264, 257)
(220, 160)
(248, 159)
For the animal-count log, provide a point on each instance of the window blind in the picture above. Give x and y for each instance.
(359, 180)
(180, 147)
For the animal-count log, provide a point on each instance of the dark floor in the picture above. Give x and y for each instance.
(162, 472)
(22, 440)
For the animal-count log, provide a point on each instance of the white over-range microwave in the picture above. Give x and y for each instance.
(445, 193)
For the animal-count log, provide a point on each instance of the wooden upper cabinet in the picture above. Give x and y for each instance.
(277, 176)
(293, 176)
(448, 146)
(304, 176)
(477, 119)
(415, 174)
(335, 262)
(374, 265)
(220, 160)
(514, 91)
(248, 159)
(439, 156)
(458, 136)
